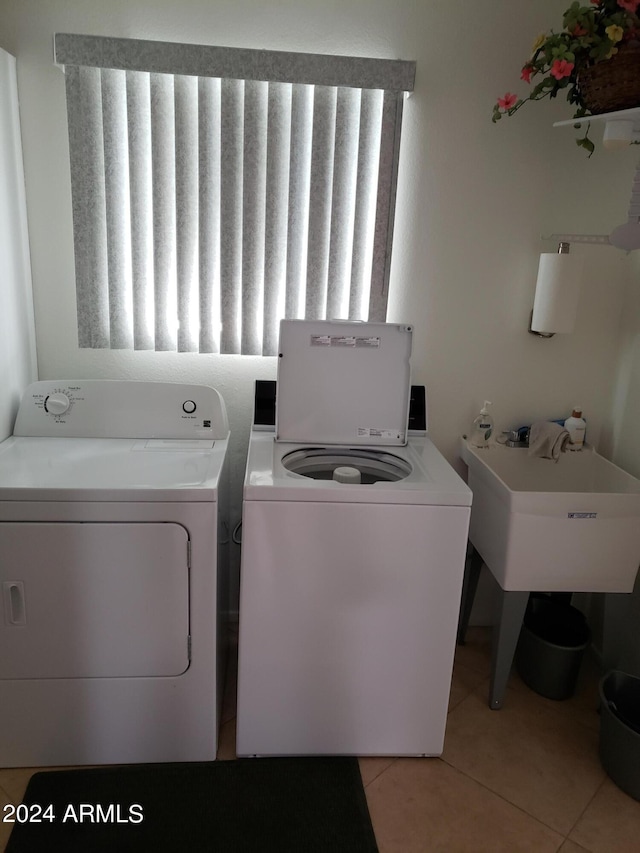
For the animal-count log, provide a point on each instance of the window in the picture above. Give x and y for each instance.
(217, 190)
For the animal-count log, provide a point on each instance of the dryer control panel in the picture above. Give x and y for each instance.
(113, 408)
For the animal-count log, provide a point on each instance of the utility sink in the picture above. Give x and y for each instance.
(571, 525)
(545, 526)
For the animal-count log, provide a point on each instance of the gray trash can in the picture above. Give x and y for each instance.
(552, 642)
(620, 730)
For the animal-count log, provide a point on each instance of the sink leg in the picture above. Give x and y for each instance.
(505, 640)
(469, 587)
(617, 615)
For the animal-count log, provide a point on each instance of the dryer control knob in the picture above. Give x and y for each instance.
(57, 404)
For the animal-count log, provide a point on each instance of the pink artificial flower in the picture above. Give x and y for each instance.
(629, 5)
(508, 101)
(527, 71)
(581, 31)
(561, 68)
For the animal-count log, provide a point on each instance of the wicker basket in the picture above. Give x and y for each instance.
(613, 84)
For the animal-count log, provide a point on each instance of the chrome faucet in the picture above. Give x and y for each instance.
(518, 437)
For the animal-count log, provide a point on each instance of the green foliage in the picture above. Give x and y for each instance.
(590, 34)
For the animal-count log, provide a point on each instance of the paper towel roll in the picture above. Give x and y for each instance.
(557, 292)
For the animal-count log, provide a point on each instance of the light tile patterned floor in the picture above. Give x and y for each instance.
(525, 778)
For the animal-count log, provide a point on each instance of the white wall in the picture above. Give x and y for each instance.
(624, 630)
(473, 201)
(17, 334)
(626, 428)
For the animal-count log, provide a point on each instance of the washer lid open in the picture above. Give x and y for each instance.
(341, 382)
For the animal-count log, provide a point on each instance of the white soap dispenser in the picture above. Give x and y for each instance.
(576, 427)
(482, 427)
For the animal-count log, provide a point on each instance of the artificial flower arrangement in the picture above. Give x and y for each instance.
(591, 35)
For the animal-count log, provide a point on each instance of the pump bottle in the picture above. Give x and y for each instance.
(482, 427)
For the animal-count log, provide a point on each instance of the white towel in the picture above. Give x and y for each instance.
(547, 440)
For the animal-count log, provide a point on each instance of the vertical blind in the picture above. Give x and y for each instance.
(218, 190)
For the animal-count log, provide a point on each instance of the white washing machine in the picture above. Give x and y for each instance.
(112, 497)
(353, 547)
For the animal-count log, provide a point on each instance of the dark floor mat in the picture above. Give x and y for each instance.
(301, 805)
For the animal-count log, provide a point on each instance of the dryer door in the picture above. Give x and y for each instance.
(94, 600)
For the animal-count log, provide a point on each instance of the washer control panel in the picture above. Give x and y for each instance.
(112, 408)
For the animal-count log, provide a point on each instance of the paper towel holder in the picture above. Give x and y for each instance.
(538, 334)
(557, 292)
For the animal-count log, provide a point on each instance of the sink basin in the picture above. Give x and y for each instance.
(570, 526)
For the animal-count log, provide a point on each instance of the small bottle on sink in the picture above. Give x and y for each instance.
(576, 427)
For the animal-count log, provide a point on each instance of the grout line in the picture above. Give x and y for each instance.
(452, 708)
(581, 815)
(384, 770)
(552, 711)
(522, 809)
(509, 803)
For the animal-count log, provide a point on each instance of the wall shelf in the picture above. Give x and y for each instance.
(616, 115)
(621, 128)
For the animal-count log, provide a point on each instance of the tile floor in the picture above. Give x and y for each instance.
(525, 778)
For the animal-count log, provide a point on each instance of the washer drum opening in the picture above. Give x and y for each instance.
(319, 463)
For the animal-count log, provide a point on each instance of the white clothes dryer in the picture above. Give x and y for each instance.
(113, 574)
(354, 537)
